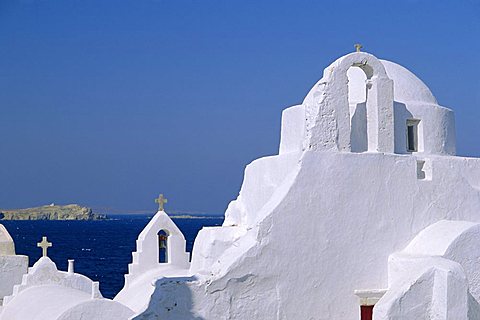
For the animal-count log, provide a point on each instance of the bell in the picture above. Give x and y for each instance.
(162, 241)
(163, 245)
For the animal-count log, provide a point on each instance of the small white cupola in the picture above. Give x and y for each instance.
(364, 104)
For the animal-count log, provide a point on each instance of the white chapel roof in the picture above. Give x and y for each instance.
(6, 242)
(407, 87)
(43, 302)
(48, 294)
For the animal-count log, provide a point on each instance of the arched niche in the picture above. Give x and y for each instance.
(378, 103)
(357, 102)
(148, 254)
(163, 236)
(328, 107)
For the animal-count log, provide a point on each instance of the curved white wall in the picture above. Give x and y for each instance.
(317, 222)
(412, 101)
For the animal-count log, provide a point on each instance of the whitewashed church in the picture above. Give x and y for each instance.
(365, 213)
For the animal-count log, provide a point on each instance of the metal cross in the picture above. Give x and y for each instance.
(358, 46)
(44, 245)
(161, 200)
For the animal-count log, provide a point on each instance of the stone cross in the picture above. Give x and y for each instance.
(161, 200)
(44, 245)
(358, 46)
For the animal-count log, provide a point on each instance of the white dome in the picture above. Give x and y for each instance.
(407, 87)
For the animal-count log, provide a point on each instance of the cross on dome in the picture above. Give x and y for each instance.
(358, 46)
(161, 200)
(44, 245)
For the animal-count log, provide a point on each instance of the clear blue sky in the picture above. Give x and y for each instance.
(107, 103)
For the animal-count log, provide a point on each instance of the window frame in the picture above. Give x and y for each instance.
(412, 123)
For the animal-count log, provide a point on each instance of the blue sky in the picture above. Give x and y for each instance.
(107, 103)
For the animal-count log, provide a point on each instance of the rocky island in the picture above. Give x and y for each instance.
(52, 212)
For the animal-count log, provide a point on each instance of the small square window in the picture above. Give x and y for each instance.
(412, 135)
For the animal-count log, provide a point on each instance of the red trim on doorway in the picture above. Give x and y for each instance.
(366, 312)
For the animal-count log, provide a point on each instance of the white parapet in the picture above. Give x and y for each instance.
(147, 267)
(12, 266)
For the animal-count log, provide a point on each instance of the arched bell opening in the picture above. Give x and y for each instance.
(163, 246)
(357, 102)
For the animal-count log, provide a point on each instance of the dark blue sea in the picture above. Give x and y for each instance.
(102, 249)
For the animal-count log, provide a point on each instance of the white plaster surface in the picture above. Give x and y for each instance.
(12, 267)
(328, 109)
(457, 241)
(412, 100)
(97, 309)
(7, 247)
(316, 223)
(293, 129)
(263, 178)
(311, 226)
(331, 233)
(434, 288)
(48, 294)
(436, 275)
(145, 268)
(137, 295)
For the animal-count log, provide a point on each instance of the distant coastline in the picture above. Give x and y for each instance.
(77, 212)
(173, 216)
(195, 217)
(52, 212)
